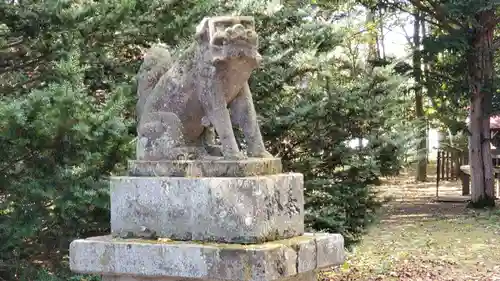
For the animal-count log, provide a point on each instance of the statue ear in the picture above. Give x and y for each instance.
(202, 30)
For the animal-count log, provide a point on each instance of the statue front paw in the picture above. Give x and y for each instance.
(260, 154)
(234, 156)
(214, 150)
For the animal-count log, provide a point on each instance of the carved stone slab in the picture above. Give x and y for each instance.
(205, 168)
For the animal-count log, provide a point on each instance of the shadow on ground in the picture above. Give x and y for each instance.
(413, 202)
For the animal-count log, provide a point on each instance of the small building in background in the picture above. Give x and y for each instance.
(494, 130)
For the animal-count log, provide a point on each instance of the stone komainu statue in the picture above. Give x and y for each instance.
(182, 101)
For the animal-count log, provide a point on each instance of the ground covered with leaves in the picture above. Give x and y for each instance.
(418, 238)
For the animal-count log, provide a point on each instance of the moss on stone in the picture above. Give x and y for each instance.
(247, 270)
(290, 242)
(105, 258)
(206, 167)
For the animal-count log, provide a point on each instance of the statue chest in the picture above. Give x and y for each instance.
(233, 78)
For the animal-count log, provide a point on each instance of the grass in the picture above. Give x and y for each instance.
(419, 239)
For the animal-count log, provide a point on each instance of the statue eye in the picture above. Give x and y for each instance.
(218, 40)
(223, 25)
(247, 24)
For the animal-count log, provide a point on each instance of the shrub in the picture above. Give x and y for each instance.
(58, 146)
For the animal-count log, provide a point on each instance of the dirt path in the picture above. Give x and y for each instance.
(419, 239)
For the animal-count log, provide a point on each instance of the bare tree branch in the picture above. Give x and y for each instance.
(437, 14)
(438, 8)
(408, 38)
(429, 20)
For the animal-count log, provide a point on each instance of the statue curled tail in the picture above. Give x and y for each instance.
(159, 133)
(157, 61)
(154, 142)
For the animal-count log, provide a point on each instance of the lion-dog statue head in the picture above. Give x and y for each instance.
(229, 38)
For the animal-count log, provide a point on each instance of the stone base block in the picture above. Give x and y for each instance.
(227, 210)
(206, 167)
(165, 259)
(309, 276)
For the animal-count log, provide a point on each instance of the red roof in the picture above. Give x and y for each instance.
(495, 122)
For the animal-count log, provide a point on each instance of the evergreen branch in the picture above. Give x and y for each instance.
(18, 41)
(11, 164)
(21, 85)
(22, 65)
(11, 55)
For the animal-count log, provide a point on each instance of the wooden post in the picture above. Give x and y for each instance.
(460, 163)
(496, 176)
(465, 183)
(453, 165)
(447, 167)
(438, 169)
(443, 156)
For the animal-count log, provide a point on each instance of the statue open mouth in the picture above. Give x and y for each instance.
(236, 54)
(233, 37)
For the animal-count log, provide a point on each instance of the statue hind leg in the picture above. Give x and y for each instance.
(160, 137)
(208, 138)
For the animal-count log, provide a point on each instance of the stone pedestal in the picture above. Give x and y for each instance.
(167, 259)
(231, 210)
(247, 226)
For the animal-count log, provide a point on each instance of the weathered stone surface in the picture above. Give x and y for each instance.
(230, 210)
(306, 251)
(206, 168)
(182, 101)
(210, 261)
(309, 276)
(327, 251)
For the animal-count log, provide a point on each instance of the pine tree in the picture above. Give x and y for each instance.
(67, 106)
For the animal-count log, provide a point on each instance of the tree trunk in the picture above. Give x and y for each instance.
(419, 105)
(481, 75)
(373, 53)
(381, 36)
